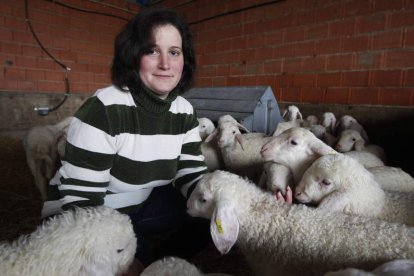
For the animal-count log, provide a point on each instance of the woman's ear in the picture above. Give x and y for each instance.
(224, 227)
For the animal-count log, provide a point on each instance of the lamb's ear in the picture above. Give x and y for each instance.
(224, 227)
(241, 139)
(300, 116)
(211, 135)
(320, 148)
(359, 145)
(242, 127)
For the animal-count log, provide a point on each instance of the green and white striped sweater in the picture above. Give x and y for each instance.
(120, 145)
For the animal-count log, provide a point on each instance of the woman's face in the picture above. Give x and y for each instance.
(161, 68)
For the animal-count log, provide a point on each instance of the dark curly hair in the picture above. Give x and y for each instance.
(136, 39)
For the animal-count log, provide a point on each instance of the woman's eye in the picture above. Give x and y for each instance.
(152, 52)
(175, 53)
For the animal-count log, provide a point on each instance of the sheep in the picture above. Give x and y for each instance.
(322, 133)
(240, 152)
(172, 266)
(328, 120)
(206, 127)
(367, 159)
(297, 148)
(351, 139)
(292, 113)
(349, 122)
(282, 126)
(312, 120)
(43, 146)
(210, 150)
(339, 183)
(292, 239)
(80, 241)
(275, 177)
(401, 267)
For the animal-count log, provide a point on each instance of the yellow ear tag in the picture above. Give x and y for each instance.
(333, 152)
(219, 227)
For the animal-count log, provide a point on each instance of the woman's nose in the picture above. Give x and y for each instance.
(164, 62)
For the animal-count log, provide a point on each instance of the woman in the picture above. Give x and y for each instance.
(135, 146)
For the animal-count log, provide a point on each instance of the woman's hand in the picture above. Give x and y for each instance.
(287, 198)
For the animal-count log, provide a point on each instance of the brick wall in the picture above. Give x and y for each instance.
(347, 52)
(309, 51)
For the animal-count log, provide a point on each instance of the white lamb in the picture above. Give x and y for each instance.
(210, 150)
(283, 239)
(339, 183)
(84, 241)
(206, 127)
(240, 152)
(312, 120)
(174, 266)
(351, 139)
(401, 267)
(292, 113)
(328, 120)
(43, 146)
(297, 148)
(349, 122)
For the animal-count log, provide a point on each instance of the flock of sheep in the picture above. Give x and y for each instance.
(351, 210)
(352, 213)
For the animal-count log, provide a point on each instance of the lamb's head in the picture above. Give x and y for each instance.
(332, 173)
(319, 180)
(206, 127)
(275, 177)
(216, 197)
(293, 146)
(106, 240)
(312, 120)
(292, 112)
(329, 121)
(349, 139)
(228, 132)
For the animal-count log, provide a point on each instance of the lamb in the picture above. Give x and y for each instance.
(206, 127)
(400, 267)
(292, 113)
(240, 152)
(312, 120)
(339, 183)
(351, 139)
(322, 133)
(210, 150)
(172, 266)
(349, 122)
(328, 120)
(297, 148)
(276, 177)
(43, 146)
(292, 239)
(82, 241)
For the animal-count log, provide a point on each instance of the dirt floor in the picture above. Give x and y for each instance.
(20, 206)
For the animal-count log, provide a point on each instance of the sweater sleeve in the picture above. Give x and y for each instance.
(191, 166)
(89, 154)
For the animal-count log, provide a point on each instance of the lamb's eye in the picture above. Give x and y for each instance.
(119, 250)
(293, 142)
(202, 200)
(326, 182)
(353, 139)
(234, 132)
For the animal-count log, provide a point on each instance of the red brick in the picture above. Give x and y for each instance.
(10, 48)
(255, 41)
(233, 81)
(399, 59)
(304, 80)
(237, 69)
(387, 78)
(329, 79)
(386, 5)
(15, 23)
(9, 84)
(409, 38)
(401, 19)
(272, 66)
(237, 43)
(267, 80)
(219, 81)
(364, 96)
(355, 79)
(342, 28)
(372, 23)
(312, 95)
(392, 39)
(31, 51)
(34, 74)
(328, 13)
(339, 62)
(292, 65)
(27, 85)
(356, 44)
(284, 51)
(290, 95)
(356, 7)
(207, 71)
(26, 62)
(263, 53)
(396, 96)
(320, 31)
(6, 35)
(306, 48)
(314, 64)
(13, 73)
(368, 60)
(254, 68)
(223, 70)
(293, 35)
(409, 78)
(248, 81)
(273, 38)
(337, 95)
(328, 46)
